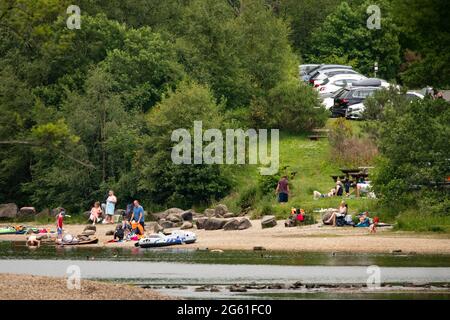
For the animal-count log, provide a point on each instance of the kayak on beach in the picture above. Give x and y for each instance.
(13, 230)
(69, 240)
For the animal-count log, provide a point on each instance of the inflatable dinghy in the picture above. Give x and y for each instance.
(162, 240)
(69, 240)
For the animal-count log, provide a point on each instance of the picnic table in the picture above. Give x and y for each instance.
(319, 133)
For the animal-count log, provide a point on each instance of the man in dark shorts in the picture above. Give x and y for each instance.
(283, 190)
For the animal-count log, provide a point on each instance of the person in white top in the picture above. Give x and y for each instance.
(342, 212)
(110, 207)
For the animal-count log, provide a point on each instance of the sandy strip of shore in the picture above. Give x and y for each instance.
(24, 287)
(315, 238)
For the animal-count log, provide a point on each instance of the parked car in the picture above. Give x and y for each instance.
(372, 82)
(355, 111)
(304, 69)
(412, 95)
(324, 67)
(350, 96)
(328, 102)
(334, 83)
(319, 76)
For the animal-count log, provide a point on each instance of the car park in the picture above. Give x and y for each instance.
(304, 69)
(319, 76)
(334, 83)
(323, 67)
(356, 111)
(351, 96)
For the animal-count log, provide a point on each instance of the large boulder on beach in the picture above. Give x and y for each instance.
(268, 222)
(176, 211)
(220, 210)
(88, 232)
(186, 225)
(43, 214)
(209, 212)
(187, 215)
(156, 216)
(166, 224)
(200, 222)
(90, 227)
(26, 212)
(244, 223)
(215, 223)
(237, 224)
(175, 218)
(229, 215)
(153, 227)
(327, 215)
(8, 210)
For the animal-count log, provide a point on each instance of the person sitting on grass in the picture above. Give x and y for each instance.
(339, 188)
(341, 213)
(317, 194)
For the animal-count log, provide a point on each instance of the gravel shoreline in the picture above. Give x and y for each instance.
(24, 287)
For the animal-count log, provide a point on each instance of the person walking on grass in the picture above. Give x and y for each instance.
(282, 190)
(110, 207)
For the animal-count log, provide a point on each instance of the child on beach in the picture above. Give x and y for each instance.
(59, 223)
(96, 213)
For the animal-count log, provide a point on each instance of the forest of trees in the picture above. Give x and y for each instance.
(83, 111)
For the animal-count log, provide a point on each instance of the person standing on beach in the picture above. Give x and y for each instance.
(138, 214)
(60, 222)
(282, 190)
(110, 207)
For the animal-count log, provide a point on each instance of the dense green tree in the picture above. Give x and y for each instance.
(345, 34)
(291, 106)
(425, 38)
(414, 151)
(143, 69)
(180, 184)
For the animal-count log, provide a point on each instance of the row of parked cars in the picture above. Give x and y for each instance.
(342, 89)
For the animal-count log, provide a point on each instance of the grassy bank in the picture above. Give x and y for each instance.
(311, 162)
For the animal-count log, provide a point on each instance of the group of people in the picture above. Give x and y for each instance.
(343, 187)
(340, 217)
(108, 208)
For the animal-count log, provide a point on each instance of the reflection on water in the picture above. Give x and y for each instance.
(182, 272)
(18, 250)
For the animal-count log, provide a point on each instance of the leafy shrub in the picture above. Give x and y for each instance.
(290, 105)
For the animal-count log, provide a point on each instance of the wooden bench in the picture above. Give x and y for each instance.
(320, 130)
(316, 137)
